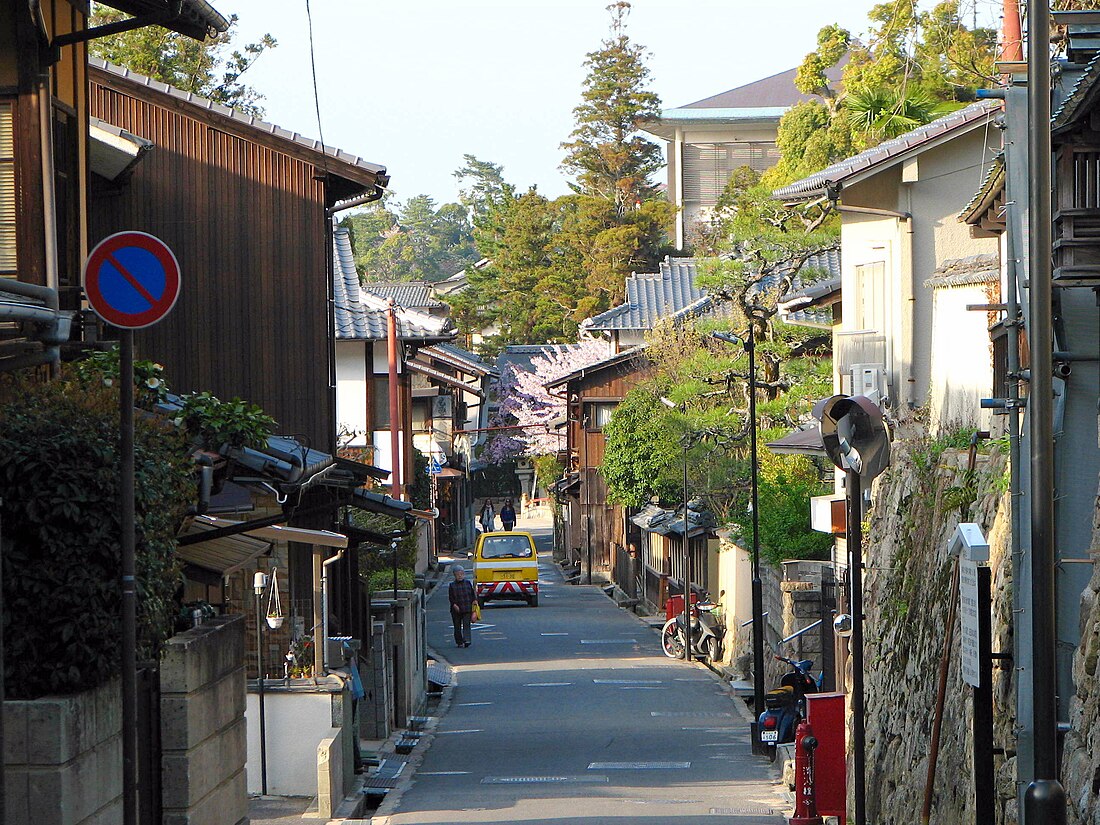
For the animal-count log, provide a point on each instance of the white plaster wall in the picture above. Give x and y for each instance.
(962, 360)
(943, 180)
(382, 453)
(351, 390)
(295, 725)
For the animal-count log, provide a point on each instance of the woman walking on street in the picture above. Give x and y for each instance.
(460, 593)
(488, 516)
(508, 515)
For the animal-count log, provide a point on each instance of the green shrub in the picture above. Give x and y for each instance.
(59, 486)
(383, 579)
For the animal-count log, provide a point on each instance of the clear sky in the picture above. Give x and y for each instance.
(415, 84)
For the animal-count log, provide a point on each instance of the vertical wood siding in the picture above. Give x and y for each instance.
(247, 224)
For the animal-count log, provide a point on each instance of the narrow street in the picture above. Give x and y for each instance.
(569, 713)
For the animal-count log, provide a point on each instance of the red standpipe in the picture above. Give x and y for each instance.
(805, 796)
(1012, 40)
(396, 457)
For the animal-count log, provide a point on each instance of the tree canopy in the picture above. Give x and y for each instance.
(411, 241)
(212, 68)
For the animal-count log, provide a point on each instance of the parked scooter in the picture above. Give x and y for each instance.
(707, 632)
(785, 706)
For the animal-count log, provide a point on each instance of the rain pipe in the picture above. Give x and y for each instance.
(324, 600)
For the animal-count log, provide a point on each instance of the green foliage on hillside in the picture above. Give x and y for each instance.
(411, 241)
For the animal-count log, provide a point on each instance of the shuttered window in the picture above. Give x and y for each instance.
(8, 217)
(708, 166)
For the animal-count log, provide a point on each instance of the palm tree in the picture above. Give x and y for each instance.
(881, 114)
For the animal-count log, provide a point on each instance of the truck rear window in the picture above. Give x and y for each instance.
(506, 547)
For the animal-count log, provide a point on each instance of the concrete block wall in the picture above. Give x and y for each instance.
(331, 772)
(376, 709)
(63, 758)
(203, 733)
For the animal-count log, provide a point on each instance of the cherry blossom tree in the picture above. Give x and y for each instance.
(525, 402)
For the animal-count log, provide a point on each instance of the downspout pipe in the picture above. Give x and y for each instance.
(395, 422)
(324, 601)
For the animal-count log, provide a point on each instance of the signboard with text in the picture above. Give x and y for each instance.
(969, 643)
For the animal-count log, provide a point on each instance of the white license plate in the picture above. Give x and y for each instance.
(771, 736)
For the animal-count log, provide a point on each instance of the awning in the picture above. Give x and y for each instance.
(450, 380)
(195, 18)
(114, 152)
(567, 484)
(449, 472)
(222, 556)
(276, 532)
(378, 503)
(800, 442)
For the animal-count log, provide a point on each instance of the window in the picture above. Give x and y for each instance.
(8, 214)
(380, 403)
(709, 166)
(506, 547)
(421, 415)
(597, 415)
(870, 304)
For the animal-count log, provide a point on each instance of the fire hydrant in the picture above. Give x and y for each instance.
(805, 798)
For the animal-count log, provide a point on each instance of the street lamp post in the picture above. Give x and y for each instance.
(259, 584)
(672, 405)
(749, 343)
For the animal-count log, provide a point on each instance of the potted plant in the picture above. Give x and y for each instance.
(275, 616)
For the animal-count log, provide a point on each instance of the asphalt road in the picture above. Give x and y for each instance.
(569, 713)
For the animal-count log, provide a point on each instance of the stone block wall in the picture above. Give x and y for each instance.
(907, 584)
(1081, 756)
(203, 745)
(63, 758)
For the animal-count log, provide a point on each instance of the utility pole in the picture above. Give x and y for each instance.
(1044, 799)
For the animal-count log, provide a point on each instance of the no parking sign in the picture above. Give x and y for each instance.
(132, 280)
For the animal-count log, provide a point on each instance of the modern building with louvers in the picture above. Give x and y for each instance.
(708, 140)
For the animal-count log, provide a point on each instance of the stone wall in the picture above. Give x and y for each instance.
(1081, 757)
(63, 758)
(916, 507)
(202, 703)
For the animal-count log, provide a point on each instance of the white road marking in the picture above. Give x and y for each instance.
(608, 641)
(553, 634)
(638, 766)
(548, 684)
(442, 773)
(469, 730)
(627, 681)
(472, 704)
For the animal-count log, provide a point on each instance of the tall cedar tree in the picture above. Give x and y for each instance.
(619, 222)
(180, 61)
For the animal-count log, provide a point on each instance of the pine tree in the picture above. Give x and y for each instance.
(608, 154)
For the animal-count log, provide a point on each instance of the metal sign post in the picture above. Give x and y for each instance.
(131, 280)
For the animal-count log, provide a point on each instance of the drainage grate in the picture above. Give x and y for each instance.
(608, 641)
(542, 780)
(744, 812)
(638, 766)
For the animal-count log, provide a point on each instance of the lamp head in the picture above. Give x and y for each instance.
(728, 337)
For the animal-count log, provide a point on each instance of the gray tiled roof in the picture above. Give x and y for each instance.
(413, 295)
(777, 90)
(520, 356)
(473, 360)
(814, 185)
(330, 152)
(993, 182)
(354, 320)
(673, 294)
(976, 269)
(1077, 96)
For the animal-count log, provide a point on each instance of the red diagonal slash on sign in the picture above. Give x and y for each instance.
(131, 280)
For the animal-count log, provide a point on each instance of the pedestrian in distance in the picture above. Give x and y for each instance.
(508, 515)
(460, 593)
(488, 516)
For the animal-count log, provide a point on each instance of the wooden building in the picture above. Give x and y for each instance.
(47, 150)
(597, 531)
(247, 208)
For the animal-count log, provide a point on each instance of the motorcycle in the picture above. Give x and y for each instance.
(785, 706)
(707, 632)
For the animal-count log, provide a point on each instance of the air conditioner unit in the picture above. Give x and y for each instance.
(870, 380)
